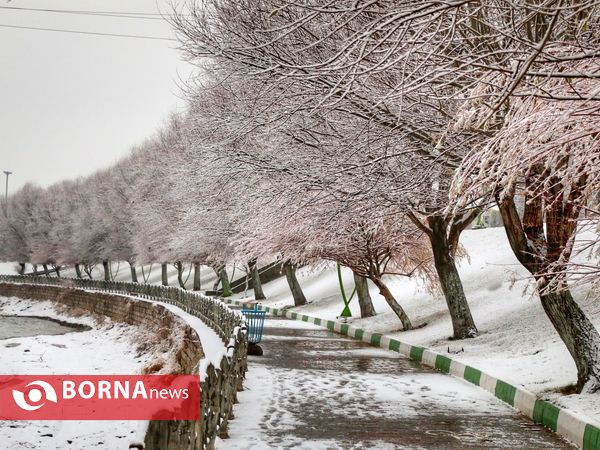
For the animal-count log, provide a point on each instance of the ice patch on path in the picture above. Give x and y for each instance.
(418, 394)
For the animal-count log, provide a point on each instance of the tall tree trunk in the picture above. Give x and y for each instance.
(144, 276)
(21, 269)
(106, 266)
(179, 267)
(46, 271)
(391, 301)
(534, 248)
(225, 282)
(165, 277)
(256, 284)
(579, 335)
(88, 269)
(134, 278)
(78, 271)
(443, 255)
(290, 274)
(364, 298)
(218, 280)
(197, 285)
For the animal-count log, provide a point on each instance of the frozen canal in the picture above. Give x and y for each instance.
(17, 326)
(313, 389)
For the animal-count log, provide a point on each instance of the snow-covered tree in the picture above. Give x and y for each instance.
(548, 150)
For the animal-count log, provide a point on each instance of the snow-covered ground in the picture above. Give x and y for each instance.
(107, 348)
(517, 342)
(8, 268)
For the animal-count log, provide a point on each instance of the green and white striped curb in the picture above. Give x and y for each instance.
(582, 434)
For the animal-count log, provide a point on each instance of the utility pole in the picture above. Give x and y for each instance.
(7, 173)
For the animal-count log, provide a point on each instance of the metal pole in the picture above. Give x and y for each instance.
(7, 173)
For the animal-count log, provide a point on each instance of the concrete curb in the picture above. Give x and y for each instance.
(583, 434)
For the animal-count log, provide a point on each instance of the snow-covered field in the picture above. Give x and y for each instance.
(517, 342)
(108, 348)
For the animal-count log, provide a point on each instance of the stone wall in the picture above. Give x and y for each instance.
(187, 351)
(219, 385)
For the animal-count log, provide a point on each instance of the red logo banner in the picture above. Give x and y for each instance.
(99, 397)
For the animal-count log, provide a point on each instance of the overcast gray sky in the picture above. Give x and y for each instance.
(72, 103)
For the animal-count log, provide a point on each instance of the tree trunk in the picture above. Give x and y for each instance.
(179, 267)
(57, 270)
(21, 269)
(144, 277)
(256, 284)
(364, 298)
(197, 285)
(165, 278)
(106, 266)
(46, 271)
(78, 271)
(445, 265)
(579, 335)
(290, 274)
(534, 249)
(225, 282)
(134, 278)
(389, 298)
(218, 280)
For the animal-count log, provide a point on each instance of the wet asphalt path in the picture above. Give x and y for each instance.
(314, 389)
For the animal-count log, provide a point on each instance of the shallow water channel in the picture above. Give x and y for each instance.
(25, 326)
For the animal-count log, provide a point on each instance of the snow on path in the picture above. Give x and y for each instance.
(314, 391)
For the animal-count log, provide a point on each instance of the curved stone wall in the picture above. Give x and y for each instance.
(219, 385)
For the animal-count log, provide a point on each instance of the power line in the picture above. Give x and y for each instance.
(89, 32)
(120, 14)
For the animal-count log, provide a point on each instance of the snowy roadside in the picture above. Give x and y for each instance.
(108, 348)
(517, 342)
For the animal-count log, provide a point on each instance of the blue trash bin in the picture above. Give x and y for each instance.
(255, 322)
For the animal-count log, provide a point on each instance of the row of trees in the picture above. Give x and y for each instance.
(368, 133)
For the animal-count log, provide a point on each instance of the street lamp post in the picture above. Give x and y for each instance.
(7, 173)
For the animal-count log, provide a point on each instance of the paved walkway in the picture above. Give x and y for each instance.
(313, 389)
